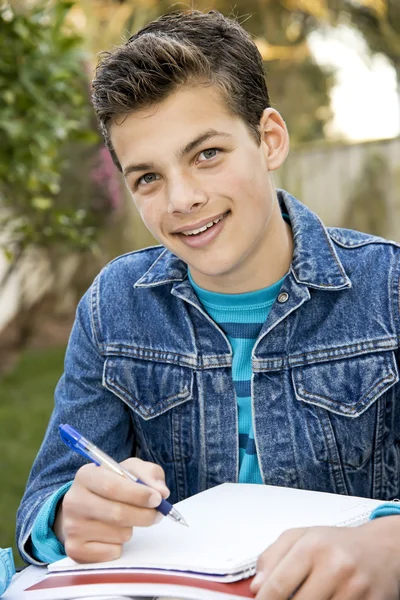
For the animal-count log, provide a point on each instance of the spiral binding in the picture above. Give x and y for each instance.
(354, 521)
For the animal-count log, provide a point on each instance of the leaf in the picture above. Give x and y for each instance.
(6, 13)
(54, 187)
(60, 12)
(8, 254)
(42, 203)
(21, 29)
(15, 129)
(63, 220)
(9, 96)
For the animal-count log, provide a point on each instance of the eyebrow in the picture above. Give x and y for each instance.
(200, 139)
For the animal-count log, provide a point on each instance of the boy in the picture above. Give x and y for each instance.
(254, 345)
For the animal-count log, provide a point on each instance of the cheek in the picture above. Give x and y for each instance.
(250, 190)
(247, 177)
(151, 217)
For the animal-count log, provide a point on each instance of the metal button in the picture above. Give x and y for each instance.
(283, 297)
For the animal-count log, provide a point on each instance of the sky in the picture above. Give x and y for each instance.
(364, 100)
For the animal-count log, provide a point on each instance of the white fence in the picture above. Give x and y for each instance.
(324, 178)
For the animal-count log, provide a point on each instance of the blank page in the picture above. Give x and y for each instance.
(229, 526)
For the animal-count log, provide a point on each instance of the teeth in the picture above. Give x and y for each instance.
(204, 228)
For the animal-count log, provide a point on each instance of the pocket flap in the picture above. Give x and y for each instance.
(346, 387)
(149, 388)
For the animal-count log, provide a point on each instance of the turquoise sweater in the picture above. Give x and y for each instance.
(241, 317)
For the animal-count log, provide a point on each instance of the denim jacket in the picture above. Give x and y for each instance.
(148, 374)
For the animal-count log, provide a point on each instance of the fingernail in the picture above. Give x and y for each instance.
(257, 581)
(154, 500)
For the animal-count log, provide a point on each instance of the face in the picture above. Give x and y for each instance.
(201, 183)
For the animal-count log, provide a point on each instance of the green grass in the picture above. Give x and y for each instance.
(26, 402)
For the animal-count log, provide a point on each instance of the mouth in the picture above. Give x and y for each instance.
(205, 233)
(204, 228)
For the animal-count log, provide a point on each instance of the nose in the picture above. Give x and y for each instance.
(185, 195)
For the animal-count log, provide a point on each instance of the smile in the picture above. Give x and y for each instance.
(204, 228)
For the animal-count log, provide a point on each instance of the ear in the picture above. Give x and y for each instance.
(274, 138)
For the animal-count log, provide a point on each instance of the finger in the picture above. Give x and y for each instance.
(273, 555)
(86, 505)
(359, 588)
(91, 552)
(287, 577)
(326, 584)
(335, 576)
(319, 585)
(96, 531)
(109, 485)
(152, 474)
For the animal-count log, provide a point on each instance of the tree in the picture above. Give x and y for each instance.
(44, 92)
(58, 185)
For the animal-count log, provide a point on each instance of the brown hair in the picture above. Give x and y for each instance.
(181, 48)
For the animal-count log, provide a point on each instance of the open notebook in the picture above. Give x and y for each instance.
(229, 526)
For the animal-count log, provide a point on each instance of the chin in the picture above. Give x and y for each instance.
(213, 272)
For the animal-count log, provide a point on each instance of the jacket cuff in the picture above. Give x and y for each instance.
(46, 547)
(386, 510)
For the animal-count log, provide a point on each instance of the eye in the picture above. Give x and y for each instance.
(209, 154)
(147, 178)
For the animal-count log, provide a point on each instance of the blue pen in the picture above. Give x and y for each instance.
(74, 440)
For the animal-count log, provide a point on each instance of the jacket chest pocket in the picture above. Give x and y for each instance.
(348, 406)
(161, 399)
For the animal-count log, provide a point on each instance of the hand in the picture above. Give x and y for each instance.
(100, 509)
(335, 563)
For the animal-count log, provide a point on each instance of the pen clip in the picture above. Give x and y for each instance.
(74, 440)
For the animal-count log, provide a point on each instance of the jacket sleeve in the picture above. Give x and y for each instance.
(45, 545)
(83, 402)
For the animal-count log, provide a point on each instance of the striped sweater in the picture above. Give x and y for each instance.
(241, 317)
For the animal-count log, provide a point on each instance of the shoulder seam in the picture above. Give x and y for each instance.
(94, 309)
(369, 240)
(133, 252)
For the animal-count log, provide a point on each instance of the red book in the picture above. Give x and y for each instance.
(125, 584)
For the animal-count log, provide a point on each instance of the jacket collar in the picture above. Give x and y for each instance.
(315, 261)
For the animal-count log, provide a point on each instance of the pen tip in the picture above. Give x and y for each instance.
(177, 517)
(180, 519)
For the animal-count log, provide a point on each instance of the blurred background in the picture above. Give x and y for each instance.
(333, 71)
